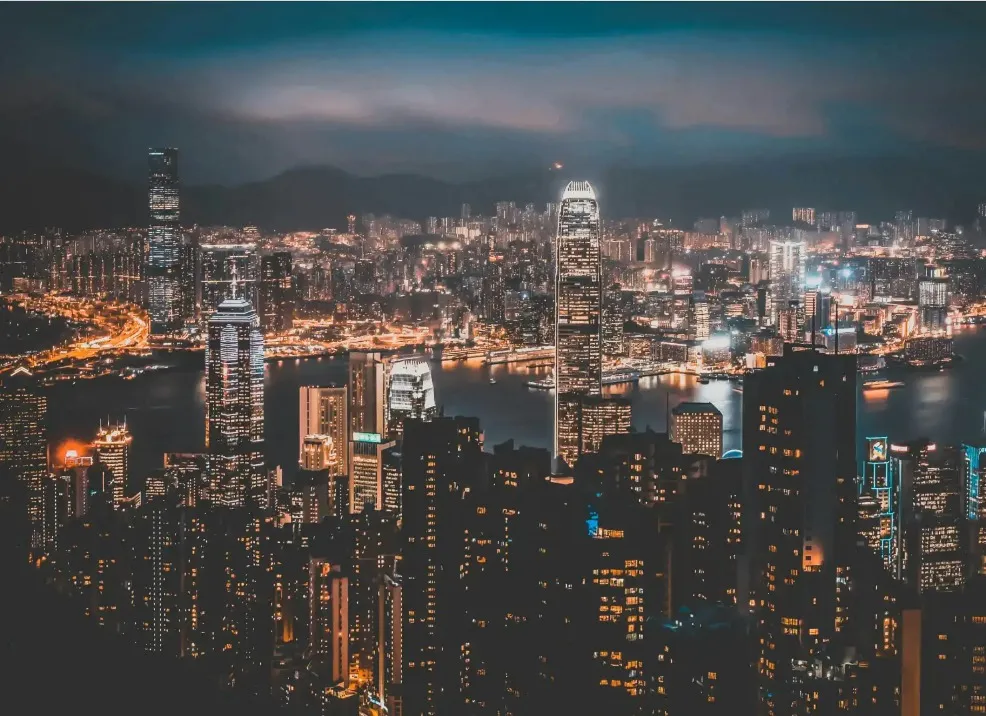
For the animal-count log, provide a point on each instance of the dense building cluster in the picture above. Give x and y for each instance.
(404, 566)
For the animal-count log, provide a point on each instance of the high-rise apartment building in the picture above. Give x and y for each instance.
(803, 215)
(276, 293)
(324, 410)
(235, 405)
(163, 241)
(328, 620)
(698, 428)
(24, 441)
(787, 273)
(799, 480)
(112, 448)
(578, 313)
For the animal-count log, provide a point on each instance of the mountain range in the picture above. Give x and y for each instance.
(49, 194)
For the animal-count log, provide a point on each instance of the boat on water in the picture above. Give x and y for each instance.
(881, 384)
(704, 381)
(492, 381)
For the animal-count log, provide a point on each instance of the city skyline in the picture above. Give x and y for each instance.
(604, 429)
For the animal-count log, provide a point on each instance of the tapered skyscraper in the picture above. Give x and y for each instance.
(235, 405)
(578, 313)
(163, 241)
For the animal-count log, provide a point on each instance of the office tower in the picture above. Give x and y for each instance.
(324, 410)
(328, 621)
(439, 457)
(392, 498)
(817, 306)
(188, 259)
(226, 271)
(112, 448)
(493, 290)
(318, 453)
(880, 484)
(787, 273)
(276, 295)
(578, 309)
(973, 493)
(698, 428)
(804, 215)
(612, 328)
(411, 393)
(163, 240)
(935, 545)
(933, 303)
(366, 471)
(799, 478)
(698, 317)
(234, 413)
(24, 442)
(367, 380)
(597, 417)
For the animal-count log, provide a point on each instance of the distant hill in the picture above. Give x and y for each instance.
(44, 193)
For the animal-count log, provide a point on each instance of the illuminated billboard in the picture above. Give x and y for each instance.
(876, 449)
(367, 437)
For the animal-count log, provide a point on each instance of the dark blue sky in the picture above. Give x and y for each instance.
(465, 90)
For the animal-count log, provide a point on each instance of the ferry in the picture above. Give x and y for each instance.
(492, 381)
(881, 384)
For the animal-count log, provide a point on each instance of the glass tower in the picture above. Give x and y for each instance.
(235, 405)
(163, 240)
(578, 313)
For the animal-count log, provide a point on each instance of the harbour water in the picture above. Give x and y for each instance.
(165, 409)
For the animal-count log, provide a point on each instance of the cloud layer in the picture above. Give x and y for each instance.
(381, 99)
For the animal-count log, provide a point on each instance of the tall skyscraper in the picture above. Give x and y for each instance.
(799, 480)
(787, 274)
(367, 383)
(411, 393)
(24, 441)
(698, 428)
(112, 448)
(612, 328)
(578, 313)
(163, 241)
(235, 405)
(276, 294)
(324, 410)
(328, 620)
(493, 290)
(366, 483)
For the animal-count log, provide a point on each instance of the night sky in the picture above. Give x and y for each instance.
(469, 90)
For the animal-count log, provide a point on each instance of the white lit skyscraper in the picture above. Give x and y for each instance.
(787, 274)
(163, 240)
(112, 449)
(235, 405)
(578, 312)
(412, 394)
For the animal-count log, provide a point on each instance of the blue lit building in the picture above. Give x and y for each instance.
(880, 481)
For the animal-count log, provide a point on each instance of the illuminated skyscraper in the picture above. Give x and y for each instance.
(367, 382)
(578, 313)
(612, 329)
(328, 621)
(411, 393)
(366, 474)
(799, 478)
(235, 405)
(24, 441)
(163, 240)
(698, 427)
(324, 410)
(112, 449)
(933, 302)
(493, 290)
(787, 274)
(276, 293)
